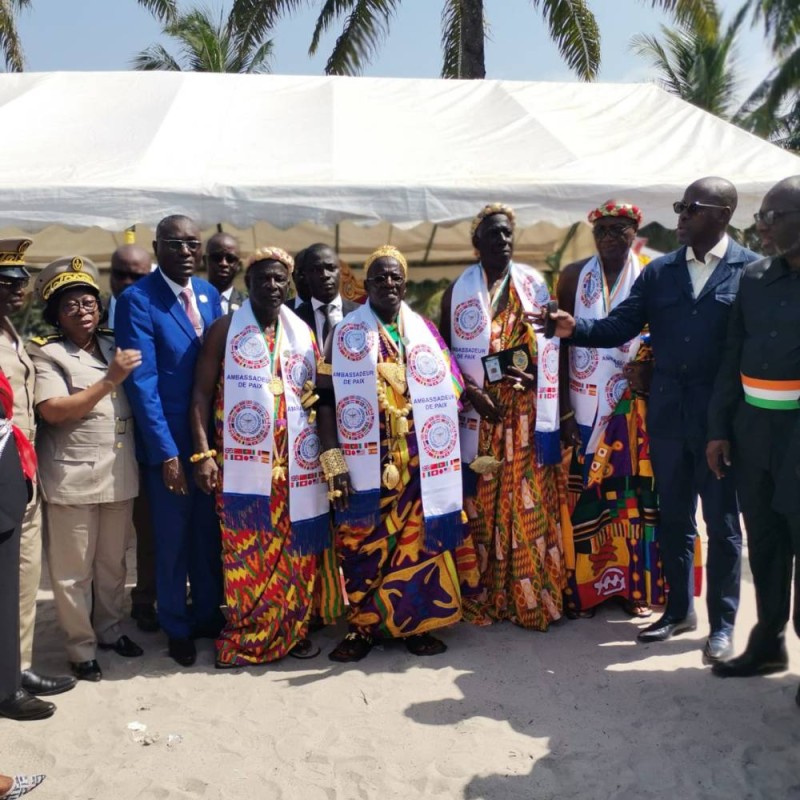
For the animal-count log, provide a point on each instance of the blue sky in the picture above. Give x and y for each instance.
(105, 34)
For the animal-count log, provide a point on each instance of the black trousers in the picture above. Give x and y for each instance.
(682, 475)
(13, 499)
(773, 542)
(145, 590)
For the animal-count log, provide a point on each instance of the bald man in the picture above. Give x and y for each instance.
(685, 297)
(754, 425)
(223, 262)
(129, 264)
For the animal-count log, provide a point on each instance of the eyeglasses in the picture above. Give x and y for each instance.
(72, 308)
(126, 273)
(693, 208)
(177, 245)
(769, 217)
(611, 231)
(227, 258)
(382, 280)
(15, 283)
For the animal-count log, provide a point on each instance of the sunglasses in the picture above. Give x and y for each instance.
(177, 245)
(220, 258)
(612, 231)
(126, 273)
(769, 217)
(73, 308)
(15, 283)
(382, 280)
(693, 208)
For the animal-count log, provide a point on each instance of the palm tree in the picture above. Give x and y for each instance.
(210, 44)
(696, 65)
(571, 23)
(10, 44)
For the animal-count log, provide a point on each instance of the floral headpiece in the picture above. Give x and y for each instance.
(613, 208)
(272, 254)
(489, 211)
(387, 251)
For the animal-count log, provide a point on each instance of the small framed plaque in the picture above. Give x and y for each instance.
(496, 365)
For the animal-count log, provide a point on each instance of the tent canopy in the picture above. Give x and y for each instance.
(320, 158)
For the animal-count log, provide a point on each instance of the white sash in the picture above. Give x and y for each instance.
(470, 333)
(434, 409)
(596, 382)
(249, 413)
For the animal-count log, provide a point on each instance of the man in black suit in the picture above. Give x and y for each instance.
(754, 423)
(223, 262)
(326, 308)
(685, 297)
(302, 295)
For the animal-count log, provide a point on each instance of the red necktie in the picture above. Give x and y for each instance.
(194, 317)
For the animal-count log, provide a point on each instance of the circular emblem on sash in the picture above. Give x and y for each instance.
(550, 362)
(439, 436)
(249, 349)
(353, 340)
(590, 288)
(584, 361)
(535, 290)
(248, 423)
(298, 371)
(306, 449)
(355, 417)
(426, 368)
(520, 359)
(615, 388)
(469, 319)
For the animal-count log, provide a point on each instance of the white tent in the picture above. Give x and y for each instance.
(291, 160)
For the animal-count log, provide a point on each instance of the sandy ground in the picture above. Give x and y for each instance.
(582, 711)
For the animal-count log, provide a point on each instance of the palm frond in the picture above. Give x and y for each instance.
(260, 60)
(254, 19)
(162, 10)
(781, 19)
(330, 11)
(701, 16)
(10, 42)
(574, 29)
(155, 58)
(363, 33)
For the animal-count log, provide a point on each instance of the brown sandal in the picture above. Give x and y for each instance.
(305, 648)
(635, 608)
(353, 647)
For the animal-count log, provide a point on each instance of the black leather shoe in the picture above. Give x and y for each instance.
(146, 617)
(23, 706)
(719, 647)
(749, 664)
(667, 627)
(123, 647)
(183, 651)
(86, 670)
(43, 685)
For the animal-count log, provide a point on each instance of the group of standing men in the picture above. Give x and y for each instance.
(721, 414)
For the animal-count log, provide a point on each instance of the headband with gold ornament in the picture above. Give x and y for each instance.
(489, 211)
(613, 208)
(69, 271)
(386, 251)
(272, 254)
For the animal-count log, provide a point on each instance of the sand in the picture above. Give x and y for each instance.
(581, 711)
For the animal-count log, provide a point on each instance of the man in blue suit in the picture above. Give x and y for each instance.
(165, 315)
(685, 297)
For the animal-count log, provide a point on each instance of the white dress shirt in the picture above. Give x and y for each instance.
(700, 270)
(334, 315)
(177, 288)
(225, 299)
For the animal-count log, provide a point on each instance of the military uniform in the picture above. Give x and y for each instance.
(755, 406)
(89, 477)
(18, 368)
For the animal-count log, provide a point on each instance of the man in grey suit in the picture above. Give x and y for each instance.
(326, 307)
(223, 262)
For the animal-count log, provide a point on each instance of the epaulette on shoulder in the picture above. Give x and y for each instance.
(105, 332)
(43, 340)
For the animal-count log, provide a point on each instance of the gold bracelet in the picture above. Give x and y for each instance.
(202, 456)
(333, 463)
(565, 417)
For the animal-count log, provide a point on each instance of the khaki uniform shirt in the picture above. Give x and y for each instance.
(18, 368)
(92, 460)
